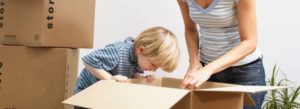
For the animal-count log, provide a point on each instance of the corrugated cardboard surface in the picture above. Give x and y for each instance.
(207, 100)
(36, 78)
(112, 95)
(217, 100)
(48, 23)
(115, 95)
(238, 88)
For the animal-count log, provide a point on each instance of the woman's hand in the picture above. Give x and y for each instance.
(196, 78)
(120, 78)
(193, 67)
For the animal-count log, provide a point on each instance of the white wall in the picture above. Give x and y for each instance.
(117, 19)
(278, 28)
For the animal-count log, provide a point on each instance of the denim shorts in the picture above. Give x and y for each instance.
(252, 73)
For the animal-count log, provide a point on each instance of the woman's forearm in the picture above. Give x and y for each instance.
(231, 57)
(192, 42)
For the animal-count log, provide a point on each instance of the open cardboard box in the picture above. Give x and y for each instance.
(164, 93)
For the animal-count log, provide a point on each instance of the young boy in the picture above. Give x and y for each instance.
(154, 48)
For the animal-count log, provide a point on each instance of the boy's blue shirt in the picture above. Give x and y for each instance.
(116, 58)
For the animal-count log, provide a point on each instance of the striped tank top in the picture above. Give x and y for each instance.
(219, 31)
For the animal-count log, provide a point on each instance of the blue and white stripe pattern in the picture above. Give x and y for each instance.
(117, 58)
(219, 31)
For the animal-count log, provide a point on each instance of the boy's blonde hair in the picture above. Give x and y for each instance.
(161, 45)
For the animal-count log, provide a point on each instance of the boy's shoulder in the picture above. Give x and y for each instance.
(125, 44)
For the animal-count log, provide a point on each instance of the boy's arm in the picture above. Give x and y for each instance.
(99, 73)
(104, 75)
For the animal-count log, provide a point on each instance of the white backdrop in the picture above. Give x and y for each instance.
(278, 27)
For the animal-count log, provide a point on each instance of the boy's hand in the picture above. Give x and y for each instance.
(149, 78)
(138, 75)
(120, 78)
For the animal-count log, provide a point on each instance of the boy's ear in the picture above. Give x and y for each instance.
(140, 49)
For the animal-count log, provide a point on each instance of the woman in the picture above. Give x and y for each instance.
(226, 50)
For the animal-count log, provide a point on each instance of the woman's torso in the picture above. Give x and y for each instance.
(219, 31)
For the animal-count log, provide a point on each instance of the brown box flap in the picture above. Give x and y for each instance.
(115, 95)
(240, 88)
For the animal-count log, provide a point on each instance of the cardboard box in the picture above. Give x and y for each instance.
(36, 78)
(47, 23)
(164, 94)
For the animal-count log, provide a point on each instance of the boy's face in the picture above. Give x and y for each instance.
(145, 62)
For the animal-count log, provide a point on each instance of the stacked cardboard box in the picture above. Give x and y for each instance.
(36, 78)
(39, 52)
(47, 23)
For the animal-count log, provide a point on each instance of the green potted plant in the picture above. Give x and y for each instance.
(282, 98)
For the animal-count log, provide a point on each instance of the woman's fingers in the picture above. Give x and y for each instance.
(186, 82)
(192, 81)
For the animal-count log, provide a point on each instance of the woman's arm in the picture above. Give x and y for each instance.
(191, 36)
(248, 35)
